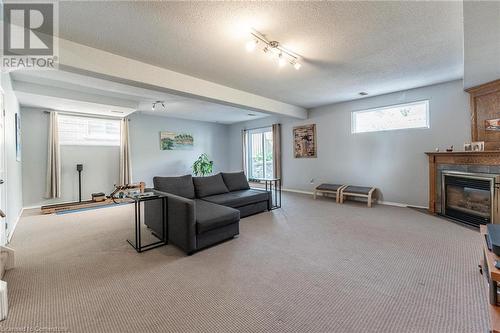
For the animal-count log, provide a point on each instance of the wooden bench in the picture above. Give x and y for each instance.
(357, 191)
(326, 189)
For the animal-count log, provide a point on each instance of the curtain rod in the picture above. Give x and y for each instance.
(81, 114)
(254, 128)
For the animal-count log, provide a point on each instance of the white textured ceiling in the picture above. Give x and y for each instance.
(348, 47)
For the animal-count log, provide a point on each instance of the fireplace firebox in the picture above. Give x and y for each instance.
(471, 198)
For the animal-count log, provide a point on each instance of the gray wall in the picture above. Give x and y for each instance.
(100, 164)
(13, 167)
(149, 161)
(393, 161)
(481, 42)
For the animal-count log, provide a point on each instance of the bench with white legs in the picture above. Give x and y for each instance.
(327, 189)
(357, 191)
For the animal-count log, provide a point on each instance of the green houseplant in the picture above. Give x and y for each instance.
(203, 166)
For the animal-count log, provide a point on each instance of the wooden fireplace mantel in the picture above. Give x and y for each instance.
(491, 157)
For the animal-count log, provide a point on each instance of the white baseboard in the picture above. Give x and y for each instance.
(397, 204)
(386, 203)
(296, 191)
(11, 232)
(31, 207)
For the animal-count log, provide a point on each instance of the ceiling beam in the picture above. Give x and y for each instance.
(34, 95)
(69, 94)
(82, 59)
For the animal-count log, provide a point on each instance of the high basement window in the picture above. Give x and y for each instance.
(394, 117)
(88, 131)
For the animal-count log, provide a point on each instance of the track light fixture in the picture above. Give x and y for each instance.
(157, 103)
(273, 49)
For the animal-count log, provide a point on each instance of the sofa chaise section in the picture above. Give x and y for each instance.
(214, 223)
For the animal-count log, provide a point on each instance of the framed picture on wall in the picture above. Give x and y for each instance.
(304, 141)
(176, 141)
(18, 137)
(492, 124)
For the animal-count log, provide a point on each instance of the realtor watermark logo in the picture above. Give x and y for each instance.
(29, 30)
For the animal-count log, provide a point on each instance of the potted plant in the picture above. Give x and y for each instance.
(203, 166)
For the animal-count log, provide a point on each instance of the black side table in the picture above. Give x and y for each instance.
(274, 186)
(156, 198)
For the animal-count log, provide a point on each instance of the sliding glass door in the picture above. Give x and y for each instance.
(260, 153)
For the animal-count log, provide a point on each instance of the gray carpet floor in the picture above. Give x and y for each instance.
(312, 266)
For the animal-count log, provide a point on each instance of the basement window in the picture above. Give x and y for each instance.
(394, 117)
(88, 131)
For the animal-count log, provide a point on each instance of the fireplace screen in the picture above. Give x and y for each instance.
(468, 197)
(469, 200)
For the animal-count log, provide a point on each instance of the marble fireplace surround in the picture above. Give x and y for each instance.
(473, 162)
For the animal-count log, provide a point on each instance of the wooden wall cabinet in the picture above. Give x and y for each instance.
(485, 105)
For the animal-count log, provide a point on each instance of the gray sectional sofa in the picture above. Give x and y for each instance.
(203, 211)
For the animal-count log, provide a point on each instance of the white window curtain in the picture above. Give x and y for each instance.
(277, 150)
(53, 181)
(125, 164)
(244, 141)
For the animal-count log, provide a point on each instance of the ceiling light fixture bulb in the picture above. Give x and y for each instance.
(297, 65)
(162, 103)
(251, 45)
(270, 54)
(281, 60)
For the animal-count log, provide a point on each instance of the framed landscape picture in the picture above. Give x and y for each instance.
(304, 141)
(176, 141)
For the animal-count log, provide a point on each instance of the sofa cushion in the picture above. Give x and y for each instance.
(210, 216)
(235, 181)
(181, 186)
(205, 186)
(238, 198)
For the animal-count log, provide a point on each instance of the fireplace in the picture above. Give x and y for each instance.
(471, 198)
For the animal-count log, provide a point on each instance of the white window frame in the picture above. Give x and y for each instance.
(249, 149)
(427, 116)
(88, 143)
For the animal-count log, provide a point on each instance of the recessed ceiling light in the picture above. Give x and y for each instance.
(363, 93)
